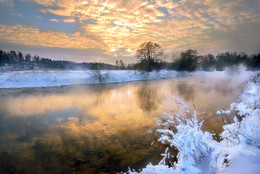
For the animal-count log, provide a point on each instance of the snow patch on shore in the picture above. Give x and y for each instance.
(22, 79)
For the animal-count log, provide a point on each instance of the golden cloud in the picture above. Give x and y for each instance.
(54, 20)
(120, 26)
(70, 20)
(24, 35)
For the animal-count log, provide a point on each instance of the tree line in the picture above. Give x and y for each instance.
(189, 60)
(19, 61)
(150, 57)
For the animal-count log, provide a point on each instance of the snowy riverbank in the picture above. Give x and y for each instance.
(21, 79)
(237, 153)
(25, 79)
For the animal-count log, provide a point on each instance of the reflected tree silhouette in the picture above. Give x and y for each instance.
(101, 92)
(148, 97)
(224, 89)
(186, 91)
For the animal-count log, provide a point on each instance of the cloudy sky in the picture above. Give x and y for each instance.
(108, 30)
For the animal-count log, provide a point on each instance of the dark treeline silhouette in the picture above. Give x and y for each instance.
(18, 61)
(189, 60)
(150, 57)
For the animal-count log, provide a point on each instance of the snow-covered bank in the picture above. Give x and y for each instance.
(25, 79)
(21, 79)
(237, 153)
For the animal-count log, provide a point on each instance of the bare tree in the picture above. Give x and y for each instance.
(148, 54)
(98, 74)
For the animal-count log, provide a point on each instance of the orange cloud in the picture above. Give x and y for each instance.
(24, 35)
(54, 20)
(118, 23)
(120, 26)
(70, 20)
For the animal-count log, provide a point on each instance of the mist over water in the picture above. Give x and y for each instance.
(102, 128)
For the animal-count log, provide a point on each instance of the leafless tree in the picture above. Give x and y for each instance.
(99, 74)
(148, 54)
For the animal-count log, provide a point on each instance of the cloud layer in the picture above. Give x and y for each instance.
(120, 26)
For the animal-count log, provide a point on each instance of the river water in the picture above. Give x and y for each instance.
(101, 128)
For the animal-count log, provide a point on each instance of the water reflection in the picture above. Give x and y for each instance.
(186, 91)
(95, 129)
(148, 97)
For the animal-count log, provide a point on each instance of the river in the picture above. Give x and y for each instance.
(101, 128)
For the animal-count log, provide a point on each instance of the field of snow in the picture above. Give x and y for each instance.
(21, 79)
(237, 153)
(27, 79)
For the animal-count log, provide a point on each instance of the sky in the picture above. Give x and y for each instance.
(110, 30)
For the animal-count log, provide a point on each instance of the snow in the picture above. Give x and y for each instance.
(237, 153)
(151, 169)
(40, 78)
(244, 161)
(22, 79)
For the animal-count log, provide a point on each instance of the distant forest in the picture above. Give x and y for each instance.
(188, 60)
(19, 61)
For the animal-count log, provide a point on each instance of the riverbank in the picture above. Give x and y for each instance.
(29, 79)
(26, 79)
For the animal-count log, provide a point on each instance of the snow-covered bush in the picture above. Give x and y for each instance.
(184, 133)
(241, 139)
(99, 75)
(237, 153)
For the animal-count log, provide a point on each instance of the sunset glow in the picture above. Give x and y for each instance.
(106, 30)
